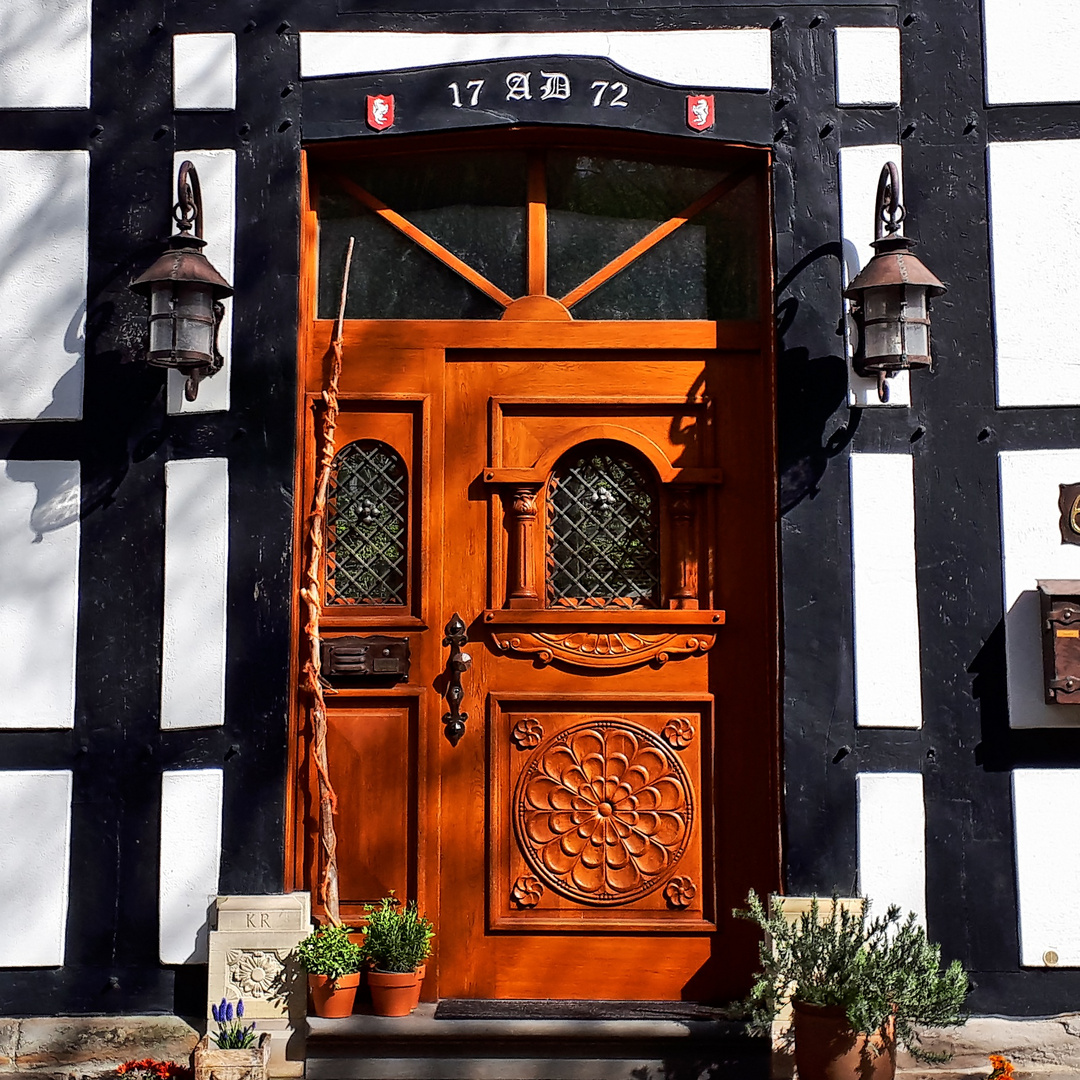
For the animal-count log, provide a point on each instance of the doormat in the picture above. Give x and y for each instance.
(481, 1009)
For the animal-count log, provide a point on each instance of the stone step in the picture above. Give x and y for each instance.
(424, 1047)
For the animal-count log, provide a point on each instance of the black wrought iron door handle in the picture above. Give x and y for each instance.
(458, 663)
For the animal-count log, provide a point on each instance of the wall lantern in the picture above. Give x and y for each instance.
(185, 294)
(889, 297)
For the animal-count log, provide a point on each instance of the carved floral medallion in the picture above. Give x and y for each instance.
(604, 811)
(256, 972)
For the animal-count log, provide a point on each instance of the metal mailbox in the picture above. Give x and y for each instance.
(376, 657)
(1060, 605)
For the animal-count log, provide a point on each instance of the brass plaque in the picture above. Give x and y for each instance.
(1069, 504)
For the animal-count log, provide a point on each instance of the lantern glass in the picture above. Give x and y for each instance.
(881, 303)
(195, 321)
(915, 302)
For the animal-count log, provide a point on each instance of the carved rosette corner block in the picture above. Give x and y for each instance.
(526, 891)
(679, 732)
(527, 733)
(603, 812)
(587, 648)
(680, 892)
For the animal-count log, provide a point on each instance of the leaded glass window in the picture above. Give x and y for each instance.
(603, 529)
(367, 526)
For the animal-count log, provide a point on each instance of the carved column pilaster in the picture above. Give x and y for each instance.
(524, 588)
(684, 545)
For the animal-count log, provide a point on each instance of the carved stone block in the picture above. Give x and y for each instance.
(252, 957)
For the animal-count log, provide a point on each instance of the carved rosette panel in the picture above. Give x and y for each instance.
(591, 649)
(256, 973)
(603, 812)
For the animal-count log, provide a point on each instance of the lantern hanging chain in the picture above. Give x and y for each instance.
(188, 209)
(890, 211)
(312, 681)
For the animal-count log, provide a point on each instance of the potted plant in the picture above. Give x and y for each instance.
(858, 988)
(333, 962)
(397, 941)
(238, 1053)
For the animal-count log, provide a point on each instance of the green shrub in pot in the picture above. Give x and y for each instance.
(882, 972)
(397, 937)
(328, 951)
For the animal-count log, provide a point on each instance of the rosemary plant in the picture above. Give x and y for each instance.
(397, 938)
(871, 968)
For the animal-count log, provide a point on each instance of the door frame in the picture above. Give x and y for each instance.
(313, 361)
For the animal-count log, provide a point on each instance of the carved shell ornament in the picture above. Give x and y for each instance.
(603, 812)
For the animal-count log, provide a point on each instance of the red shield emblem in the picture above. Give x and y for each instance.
(700, 111)
(380, 111)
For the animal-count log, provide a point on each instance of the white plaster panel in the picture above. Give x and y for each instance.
(39, 592)
(735, 59)
(860, 169)
(45, 54)
(44, 217)
(1030, 49)
(1031, 549)
(1035, 264)
(1046, 804)
(190, 862)
(204, 71)
(196, 565)
(35, 846)
(867, 65)
(892, 842)
(217, 178)
(888, 691)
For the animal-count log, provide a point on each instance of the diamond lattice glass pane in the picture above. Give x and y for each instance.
(366, 523)
(603, 531)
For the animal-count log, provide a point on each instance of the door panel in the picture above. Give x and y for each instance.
(597, 501)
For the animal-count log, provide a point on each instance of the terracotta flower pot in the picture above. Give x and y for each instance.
(827, 1049)
(334, 1000)
(393, 993)
(421, 971)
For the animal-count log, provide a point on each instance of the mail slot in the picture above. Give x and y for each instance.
(375, 657)
(1060, 606)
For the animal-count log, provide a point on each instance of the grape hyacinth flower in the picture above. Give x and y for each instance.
(231, 1033)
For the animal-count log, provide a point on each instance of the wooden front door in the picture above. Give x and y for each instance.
(594, 500)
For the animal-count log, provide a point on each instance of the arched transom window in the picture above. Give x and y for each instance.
(603, 526)
(366, 518)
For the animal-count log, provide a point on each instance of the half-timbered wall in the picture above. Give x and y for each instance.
(145, 542)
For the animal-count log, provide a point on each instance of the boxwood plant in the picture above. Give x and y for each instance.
(328, 951)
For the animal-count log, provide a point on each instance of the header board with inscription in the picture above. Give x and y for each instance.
(537, 90)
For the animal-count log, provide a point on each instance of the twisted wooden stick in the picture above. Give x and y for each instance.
(312, 681)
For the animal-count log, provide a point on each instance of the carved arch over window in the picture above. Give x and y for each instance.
(603, 529)
(367, 526)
